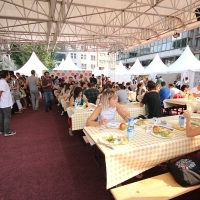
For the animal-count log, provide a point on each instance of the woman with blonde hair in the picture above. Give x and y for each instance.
(106, 110)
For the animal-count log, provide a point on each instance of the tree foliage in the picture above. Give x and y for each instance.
(21, 53)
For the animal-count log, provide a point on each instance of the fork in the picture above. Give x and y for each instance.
(107, 145)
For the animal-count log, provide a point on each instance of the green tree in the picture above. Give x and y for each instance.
(22, 52)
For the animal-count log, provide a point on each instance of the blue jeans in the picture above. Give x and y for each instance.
(48, 99)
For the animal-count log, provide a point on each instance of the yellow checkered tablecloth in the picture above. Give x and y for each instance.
(143, 151)
(80, 116)
(192, 105)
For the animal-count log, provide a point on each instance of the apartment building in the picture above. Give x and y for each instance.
(85, 60)
(169, 49)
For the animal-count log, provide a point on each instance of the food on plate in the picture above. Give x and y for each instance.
(141, 122)
(162, 131)
(175, 126)
(156, 129)
(122, 126)
(195, 121)
(116, 139)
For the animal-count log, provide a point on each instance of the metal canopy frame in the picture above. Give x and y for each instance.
(106, 25)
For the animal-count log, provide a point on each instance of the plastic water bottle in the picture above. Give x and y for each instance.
(75, 103)
(181, 121)
(84, 105)
(130, 129)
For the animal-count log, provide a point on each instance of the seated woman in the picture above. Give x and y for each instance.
(152, 99)
(140, 92)
(80, 98)
(106, 110)
(184, 91)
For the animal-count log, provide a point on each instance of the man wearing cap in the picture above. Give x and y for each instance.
(196, 91)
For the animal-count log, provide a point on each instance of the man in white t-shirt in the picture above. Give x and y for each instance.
(196, 91)
(173, 90)
(5, 104)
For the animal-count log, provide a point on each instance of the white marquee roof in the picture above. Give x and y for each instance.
(32, 63)
(68, 64)
(87, 24)
(120, 69)
(187, 61)
(156, 66)
(137, 68)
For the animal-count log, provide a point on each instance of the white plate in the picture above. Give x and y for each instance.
(113, 125)
(160, 136)
(119, 138)
(136, 120)
(79, 107)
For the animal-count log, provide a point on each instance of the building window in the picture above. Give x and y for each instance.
(92, 66)
(92, 57)
(83, 66)
(73, 55)
(81, 56)
(102, 61)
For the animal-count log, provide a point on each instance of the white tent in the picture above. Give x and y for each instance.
(105, 70)
(96, 71)
(156, 66)
(120, 69)
(186, 64)
(121, 73)
(136, 69)
(68, 64)
(56, 66)
(32, 63)
(187, 61)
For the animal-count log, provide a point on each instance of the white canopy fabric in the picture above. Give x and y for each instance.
(187, 61)
(112, 24)
(105, 70)
(186, 64)
(156, 66)
(96, 71)
(120, 69)
(68, 64)
(55, 67)
(136, 69)
(32, 63)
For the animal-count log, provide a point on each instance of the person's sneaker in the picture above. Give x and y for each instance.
(58, 104)
(18, 112)
(10, 133)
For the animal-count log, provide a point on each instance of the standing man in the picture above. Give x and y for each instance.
(47, 86)
(33, 82)
(93, 79)
(5, 104)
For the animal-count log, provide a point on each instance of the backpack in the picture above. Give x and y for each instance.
(186, 171)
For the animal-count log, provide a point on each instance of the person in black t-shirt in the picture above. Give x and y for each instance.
(152, 99)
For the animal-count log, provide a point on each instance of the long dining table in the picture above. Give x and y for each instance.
(192, 105)
(79, 115)
(143, 151)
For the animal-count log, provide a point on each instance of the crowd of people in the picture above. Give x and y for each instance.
(27, 91)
